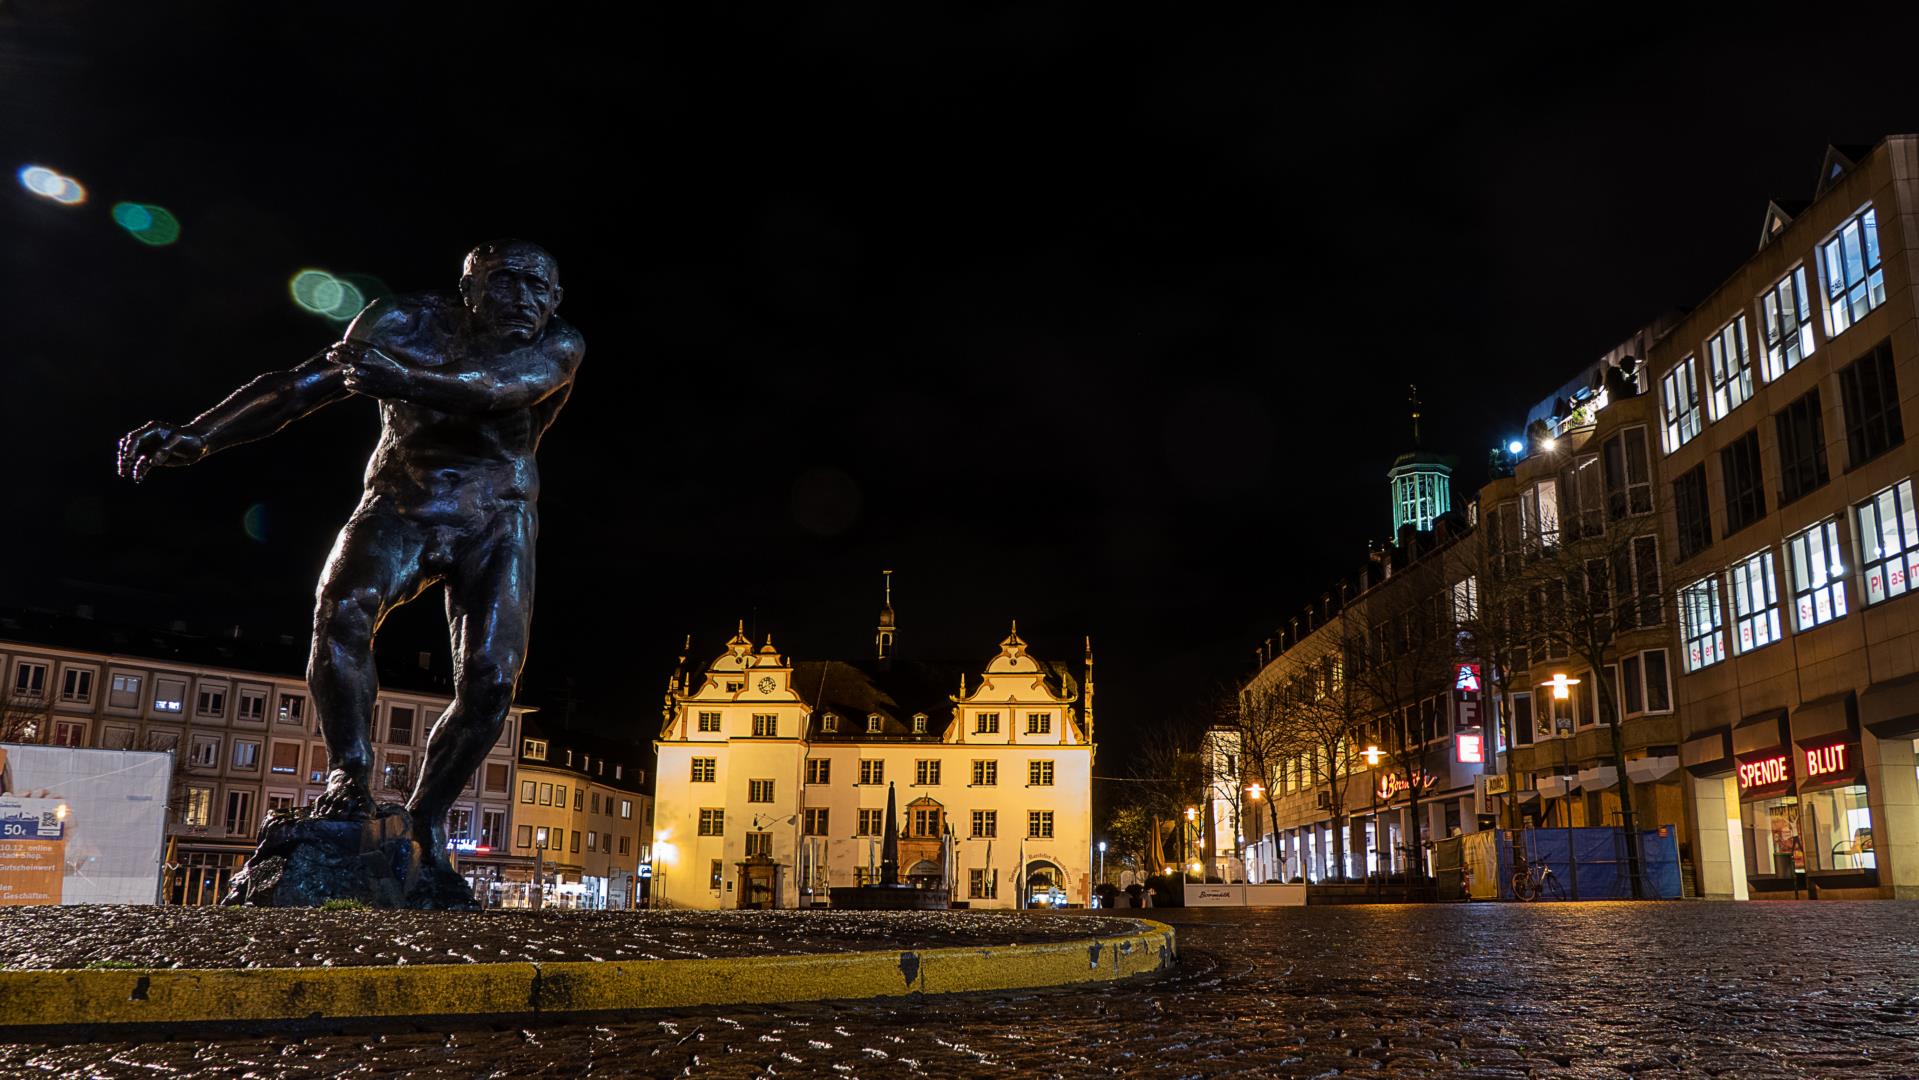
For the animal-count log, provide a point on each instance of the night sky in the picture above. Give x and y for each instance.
(1100, 323)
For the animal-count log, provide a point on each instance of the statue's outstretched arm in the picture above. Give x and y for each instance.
(520, 380)
(254, 411)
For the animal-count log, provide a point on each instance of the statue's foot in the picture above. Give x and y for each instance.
(439, 888)
(346, 798)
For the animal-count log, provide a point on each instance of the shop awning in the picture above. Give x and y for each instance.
(1833, 717)
(1890, 709)
(1759, 733)
(1552, 787)
(1708, 753)
(1598, 778)
(1647, 769)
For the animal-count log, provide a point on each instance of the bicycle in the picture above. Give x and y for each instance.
(1532, 879)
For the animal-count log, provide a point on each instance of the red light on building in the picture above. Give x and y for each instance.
(1763, 772)
(1826, 760)
(1466, 680)
(1471, 747)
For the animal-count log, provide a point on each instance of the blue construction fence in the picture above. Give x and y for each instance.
(1587, 864)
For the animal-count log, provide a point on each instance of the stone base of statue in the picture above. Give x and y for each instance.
(890, 898)
(303, 861)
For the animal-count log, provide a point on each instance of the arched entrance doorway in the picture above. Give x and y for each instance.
(1045, 884)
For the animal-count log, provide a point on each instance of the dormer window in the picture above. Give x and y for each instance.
(829, 724)
(734, 687)
(874, 722)
(919, 723)
(533, 749)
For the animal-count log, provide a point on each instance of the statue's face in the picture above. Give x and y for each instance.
(514, 295)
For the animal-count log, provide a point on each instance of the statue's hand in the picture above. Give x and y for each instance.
(369, 371)
(159, 443)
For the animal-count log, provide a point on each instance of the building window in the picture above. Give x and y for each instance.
(1855, 282)
(713, 878)
(1788, 323)
(246, 755)
(816, 821)
(1703, 622)
(872, 822)
(1539, 513)
(199, 807)
(1039, 723)
(496, 776)
(985, 773)
(493, 829)
(523, 836)
(982, 885)
(926, 822)
(579, 799)
(759, 791)
(212, 702)
(69, 733)
(253, 705)
(626, 808)
(706, 770)
(170, 740)
(1039, 824)
(397, 773)
(709, 722)
(1745, 482)
(29, 680)
(546, 794)
(1523, 718)
(713, 821)
(239, 819)
(286, 758)
(765, 725)
(169, 695)
(1679, 394)
(872, 771)
(919, 723)
(1729, 365)
(204, 752)
(529, 791)
(829, 724)
(624, 844)
(1802, 448)
(293, 709)
(1582, 506)
(1755, 602)
(399, 725)
(1689, 506)
(1888, 541)
(1870, 395)
(124, 692)
(759, 845)
(819, 771)
(986, 723)
(926, 773)
(533, 749)
(592, 840)
(875, 722)
(1039, 774)
(986, 823)
(1648, 686)
(1636, 578)
(1818, 582)
(76, 685)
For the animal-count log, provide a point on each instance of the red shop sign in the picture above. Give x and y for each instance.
(1831, 760)
(1765, 772)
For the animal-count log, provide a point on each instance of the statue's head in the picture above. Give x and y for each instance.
(511, 286)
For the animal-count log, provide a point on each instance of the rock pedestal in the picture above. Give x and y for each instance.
(304, 861)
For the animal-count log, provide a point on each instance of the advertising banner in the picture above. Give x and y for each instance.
(81, 826)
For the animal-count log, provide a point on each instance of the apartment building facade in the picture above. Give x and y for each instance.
(582, 813)
(1782, 427)
(773, 777)
(246, 740)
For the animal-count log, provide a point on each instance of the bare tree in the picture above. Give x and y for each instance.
(26, 717)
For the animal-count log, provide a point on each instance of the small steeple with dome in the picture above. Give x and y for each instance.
(883, 638)
(1422, 482)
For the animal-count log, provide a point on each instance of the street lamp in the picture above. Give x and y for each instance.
(1372, 754)
(1102, 862)
(1255, 792)
(1192, 822)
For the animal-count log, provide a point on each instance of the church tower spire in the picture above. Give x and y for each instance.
(883, 637)
(1422, 481)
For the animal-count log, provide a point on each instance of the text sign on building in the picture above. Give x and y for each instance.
(1763, 773)
(1826, 761)
(1471, 746)
(1468, 679)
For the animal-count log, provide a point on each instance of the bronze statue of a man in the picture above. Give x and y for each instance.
(467, 383)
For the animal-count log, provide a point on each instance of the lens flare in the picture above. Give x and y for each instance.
(53, 186)
(254, 523)
(323, 294)
(154, 226)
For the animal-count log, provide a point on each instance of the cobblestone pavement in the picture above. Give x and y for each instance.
(1541, 990)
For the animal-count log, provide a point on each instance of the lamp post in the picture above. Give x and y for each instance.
(1372, 755)
(1256, 792)
(1102, 862)
(1192, 820)
(1562, 691)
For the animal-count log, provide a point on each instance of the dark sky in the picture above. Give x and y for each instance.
(1098, 321)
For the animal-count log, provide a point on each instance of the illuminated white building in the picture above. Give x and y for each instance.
(773, 774)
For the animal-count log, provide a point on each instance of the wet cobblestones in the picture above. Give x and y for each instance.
(1495, 991)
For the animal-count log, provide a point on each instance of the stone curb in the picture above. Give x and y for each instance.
(32, 999)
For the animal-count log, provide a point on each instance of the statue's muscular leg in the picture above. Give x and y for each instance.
(374, 567)
(489, 609)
